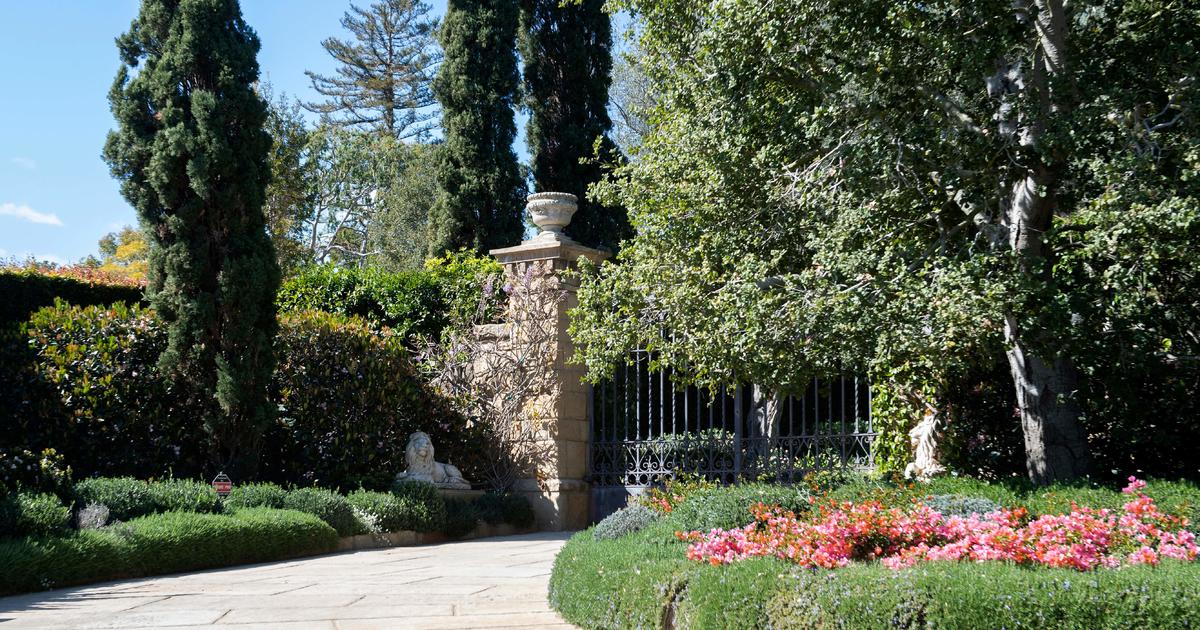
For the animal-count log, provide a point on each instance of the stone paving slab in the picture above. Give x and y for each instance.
(484, 583)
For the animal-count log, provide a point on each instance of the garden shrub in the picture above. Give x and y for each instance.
(959, 505)
(92, 516)
(461, 518)
(28, 289)
(32, 514)
(96, 395)
(249, 495)
(349, 397)
(728, 507)
(624, 521)
(125, 497)
(469, 284)
(389, 512)
(160, 543)
(496, 509)
(425, 506)
(408, 302)
(326, 505)
(184, 495)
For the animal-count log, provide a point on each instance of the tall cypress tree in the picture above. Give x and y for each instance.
(567, 48)
(191, 154)
(480, 204)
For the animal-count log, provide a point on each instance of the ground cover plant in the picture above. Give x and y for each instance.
(898, 563)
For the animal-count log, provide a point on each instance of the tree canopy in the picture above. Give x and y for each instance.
(480, 202)
(383, 80)
(913, 189)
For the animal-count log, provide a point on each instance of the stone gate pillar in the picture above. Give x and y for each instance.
(560, 494)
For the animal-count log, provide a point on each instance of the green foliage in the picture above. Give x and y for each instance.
(462, 517)
(567, 50)
(125, 497)
(606, 584)
(728, 507)
(348, 398)
(183, 495)
(326, 505)
(988, 595)
(426, 507)
(481, 188)
(158, 544)
(496, 509)
(643, 580)
(392, 513)
(774, 245)
(27, 290)
(29, 514)
(24, 469)
(191, 154)
(250, 495)
(409, 303)
(469, 285)
(624, 521)
(959, 505)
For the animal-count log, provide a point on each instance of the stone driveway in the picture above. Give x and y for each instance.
(486, 583)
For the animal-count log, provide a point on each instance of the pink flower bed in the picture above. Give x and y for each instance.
(839, 533)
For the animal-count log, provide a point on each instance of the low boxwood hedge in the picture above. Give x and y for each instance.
(160, 543)
(326, 505)
(643, 579)
(32, 514)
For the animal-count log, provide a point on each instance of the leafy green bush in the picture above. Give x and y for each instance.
(251, 495)
(160, 543)
(27, 290)
(32, 514)
(184, 495)
(728, 507)
(469, 284)
(408, 302)
(125, 497)
(461, 518)
(425, 506)
(94, 394)
(624, 521)
(326, 505)
(348, 399)
(496, 509)
(390, 513)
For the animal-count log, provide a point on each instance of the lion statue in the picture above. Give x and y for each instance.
(421, 467)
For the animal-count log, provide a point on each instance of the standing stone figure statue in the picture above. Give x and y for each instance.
(923, 438)
(421, 467)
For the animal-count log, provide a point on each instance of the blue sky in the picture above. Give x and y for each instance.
(57, 62)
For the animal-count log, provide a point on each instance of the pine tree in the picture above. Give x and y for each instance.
(567, 48)
(191, 154)
(383, 82)
(481, 188)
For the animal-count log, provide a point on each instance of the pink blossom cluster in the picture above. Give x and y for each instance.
(839, 533)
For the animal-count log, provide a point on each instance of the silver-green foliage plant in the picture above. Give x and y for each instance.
(958, 505)
(624, 521)
(913, 188)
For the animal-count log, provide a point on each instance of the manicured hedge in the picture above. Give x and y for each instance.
(161, 543)
(348, 398)
(642, 579)
(408, 302)
(126, 497)
(27, 290)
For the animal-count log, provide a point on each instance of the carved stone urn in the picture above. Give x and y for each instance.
(552, 211)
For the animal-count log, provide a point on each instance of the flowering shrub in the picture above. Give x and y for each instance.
(664, 500)
(844, 532)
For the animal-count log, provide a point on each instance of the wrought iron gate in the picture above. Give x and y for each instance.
(644, 430)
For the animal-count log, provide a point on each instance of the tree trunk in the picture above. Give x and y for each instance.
(1055, 447)
(763, 425)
